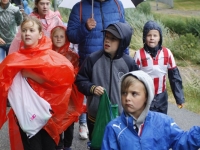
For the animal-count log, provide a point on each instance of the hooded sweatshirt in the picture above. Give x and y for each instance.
(27, 9)
(100, 70)
(157, 131)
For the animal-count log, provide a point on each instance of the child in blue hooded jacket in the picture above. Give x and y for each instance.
(138, 128)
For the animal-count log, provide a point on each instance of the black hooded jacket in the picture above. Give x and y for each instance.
(100, 70)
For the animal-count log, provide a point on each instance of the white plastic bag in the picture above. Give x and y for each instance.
(31, 110)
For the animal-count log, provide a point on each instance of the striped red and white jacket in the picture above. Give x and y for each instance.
(156, 67)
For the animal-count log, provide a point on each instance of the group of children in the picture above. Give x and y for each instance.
(132, 89)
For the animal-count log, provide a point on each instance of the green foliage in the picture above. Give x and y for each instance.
(180, 26)
(187, 4)
(144, 7)
(186, 47)
(193, 26)
(64, 13)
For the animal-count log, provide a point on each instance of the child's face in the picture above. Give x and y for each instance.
(59, 38)
(30, 34)
(153, 38)
(43, 7)
(134, 99)
(111, 44)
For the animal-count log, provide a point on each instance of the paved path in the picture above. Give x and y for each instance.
(184, 118)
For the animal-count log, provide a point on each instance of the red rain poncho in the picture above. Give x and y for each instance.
(75, 107)
(53, 67)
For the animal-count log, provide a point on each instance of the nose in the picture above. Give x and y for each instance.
(106, 39)
(27, 32)
(128, 97)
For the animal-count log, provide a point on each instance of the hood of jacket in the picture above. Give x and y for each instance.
(125, 31)
(148, 82)
(152, 25)
(25, 3)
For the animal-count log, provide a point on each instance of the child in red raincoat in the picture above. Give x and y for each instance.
(49, 74)
(61, 45)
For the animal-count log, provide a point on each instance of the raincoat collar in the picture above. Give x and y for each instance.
(41, 45)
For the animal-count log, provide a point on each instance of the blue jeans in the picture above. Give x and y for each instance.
(4, 51)
(82, 117)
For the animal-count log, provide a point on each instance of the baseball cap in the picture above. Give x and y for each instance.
(113, 30)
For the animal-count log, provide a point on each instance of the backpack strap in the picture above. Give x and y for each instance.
(118, 8)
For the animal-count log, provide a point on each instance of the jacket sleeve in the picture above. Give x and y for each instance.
(185, 140)
(84, 76)
(76, 29)
(109, 140)
(176, 85)
(130, 63)
(18, 17)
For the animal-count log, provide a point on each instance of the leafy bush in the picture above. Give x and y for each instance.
(186, 47)
(193, 26)
(144, 7)
(180, 26)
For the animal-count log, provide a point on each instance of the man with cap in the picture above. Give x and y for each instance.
(103, 69)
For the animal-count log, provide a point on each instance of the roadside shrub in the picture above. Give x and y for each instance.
(180, 26)
(193, 26)
(186, 47)
(144, 7)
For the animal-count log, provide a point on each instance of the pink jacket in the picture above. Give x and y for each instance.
(52, 19)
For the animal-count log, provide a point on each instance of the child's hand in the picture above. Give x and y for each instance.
(98, 90)
(26, 73)
(180, 106)
(2, 41)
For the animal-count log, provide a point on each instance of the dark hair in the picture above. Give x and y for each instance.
(33, 20)
(35, 9)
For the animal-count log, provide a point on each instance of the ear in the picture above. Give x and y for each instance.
(40, 35)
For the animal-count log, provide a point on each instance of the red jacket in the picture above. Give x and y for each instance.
(53, 67)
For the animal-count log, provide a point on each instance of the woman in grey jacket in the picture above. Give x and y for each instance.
(10, 18)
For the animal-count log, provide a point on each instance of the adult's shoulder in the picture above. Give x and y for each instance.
(13, 8)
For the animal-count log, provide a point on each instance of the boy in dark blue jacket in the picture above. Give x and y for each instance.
(103, 69)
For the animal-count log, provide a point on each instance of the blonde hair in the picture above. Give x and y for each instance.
(34, 20)
(130, 80)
